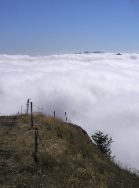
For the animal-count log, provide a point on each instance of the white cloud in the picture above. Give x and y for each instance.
(98, 91)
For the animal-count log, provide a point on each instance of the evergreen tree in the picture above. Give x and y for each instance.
(103, 141)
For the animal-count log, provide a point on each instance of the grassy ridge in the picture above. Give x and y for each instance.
(67, 157)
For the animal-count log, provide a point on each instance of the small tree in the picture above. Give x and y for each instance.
(103, 141)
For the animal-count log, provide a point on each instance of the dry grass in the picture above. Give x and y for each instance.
(67, 157)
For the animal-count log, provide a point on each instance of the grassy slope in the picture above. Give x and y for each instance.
(67, 157)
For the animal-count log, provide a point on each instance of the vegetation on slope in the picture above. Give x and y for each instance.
(67, 158)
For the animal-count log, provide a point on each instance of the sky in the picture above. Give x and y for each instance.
(61, 26)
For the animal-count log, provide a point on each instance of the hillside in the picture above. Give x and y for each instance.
(99, 90)
(66, 157)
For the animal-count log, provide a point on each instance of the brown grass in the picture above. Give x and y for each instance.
(67, 157)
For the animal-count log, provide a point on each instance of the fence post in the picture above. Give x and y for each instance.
(31, 108)
(27, 106)
(66, 117)
(36, 145)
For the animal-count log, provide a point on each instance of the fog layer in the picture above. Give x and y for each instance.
(98, 91)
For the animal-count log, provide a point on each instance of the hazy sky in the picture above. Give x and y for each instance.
(59, 26)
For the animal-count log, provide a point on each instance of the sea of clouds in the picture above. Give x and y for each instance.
(98, 91)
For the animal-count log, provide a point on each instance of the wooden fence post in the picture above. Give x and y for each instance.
(27, 106)
(36, 145)
(31, 108)
(66, 117)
